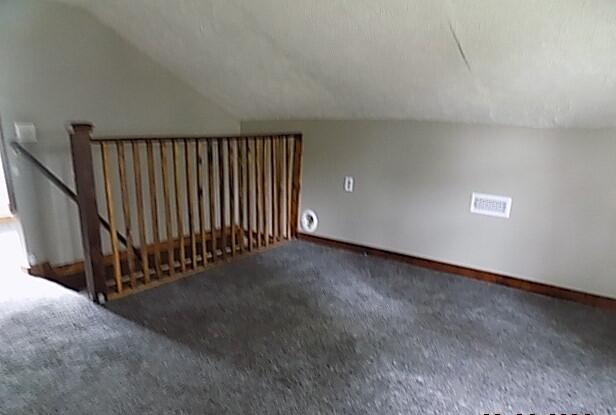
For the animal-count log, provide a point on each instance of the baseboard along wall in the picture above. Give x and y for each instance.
(518, 283)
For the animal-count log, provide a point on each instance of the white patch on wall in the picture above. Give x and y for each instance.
(25, 132)
(491, 205)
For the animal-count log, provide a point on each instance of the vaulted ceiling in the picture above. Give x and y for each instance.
(538, 63)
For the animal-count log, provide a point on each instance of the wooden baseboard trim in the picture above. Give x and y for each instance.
(530, 286)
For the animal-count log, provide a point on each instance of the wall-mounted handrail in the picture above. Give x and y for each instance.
(21, 150)
(155, 137)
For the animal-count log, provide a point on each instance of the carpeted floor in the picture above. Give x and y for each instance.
(305, 329)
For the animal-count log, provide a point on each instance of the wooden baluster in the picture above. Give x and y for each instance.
(167, 198)
(127, 214)
(201, 200)
(297, 160)
(264, 193)
(178, 203)
(273, 174)
(212, 204)
(189, 203)
(279, 178)
(221, 186)
(241, 164)
(289, 170)
(113, 228)
(280, 187)
(249, 197)
(154, 209)
(231, 171)
(145, 267)
(258, 191)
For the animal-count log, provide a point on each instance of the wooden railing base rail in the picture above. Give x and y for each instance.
(72, 275)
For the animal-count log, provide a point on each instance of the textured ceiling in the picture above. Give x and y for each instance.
(515, 62)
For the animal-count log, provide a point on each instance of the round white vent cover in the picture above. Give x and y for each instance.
(309, 221)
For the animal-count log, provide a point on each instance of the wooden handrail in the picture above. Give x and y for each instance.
(145, 138)
(63, 187)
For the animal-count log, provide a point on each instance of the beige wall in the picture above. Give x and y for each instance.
(58, 63)
(413, 182)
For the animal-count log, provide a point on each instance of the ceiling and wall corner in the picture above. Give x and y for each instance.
(512, 62)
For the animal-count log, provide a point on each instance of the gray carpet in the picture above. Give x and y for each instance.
(306, 329)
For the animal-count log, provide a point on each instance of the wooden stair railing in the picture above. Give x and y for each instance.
(176, 205)
(185, 203)
(47, 269)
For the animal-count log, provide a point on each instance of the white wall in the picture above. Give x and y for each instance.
(5, 210)
(57, 63)
(413, 182)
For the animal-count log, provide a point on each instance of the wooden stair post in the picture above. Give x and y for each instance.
(296, 183)
(80, 135)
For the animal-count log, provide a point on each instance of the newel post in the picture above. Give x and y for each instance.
(296, 183)
(80, 135)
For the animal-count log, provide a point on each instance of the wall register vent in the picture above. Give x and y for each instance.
(491, 205)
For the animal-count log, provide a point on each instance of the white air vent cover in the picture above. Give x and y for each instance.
(491, 205)
(309, 221)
